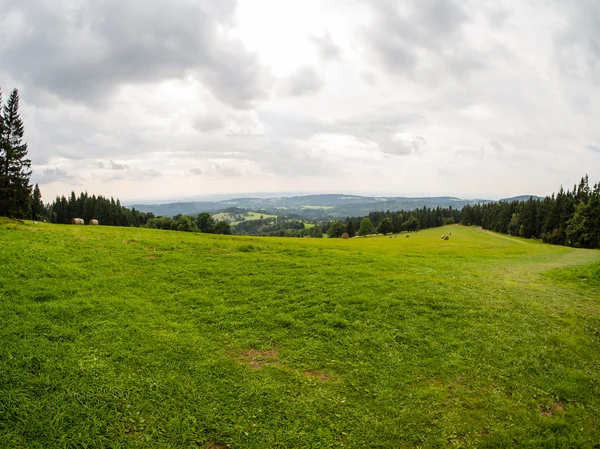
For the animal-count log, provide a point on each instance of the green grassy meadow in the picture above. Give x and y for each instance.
(124, 337)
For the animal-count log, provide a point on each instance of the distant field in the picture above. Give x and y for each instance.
(117, 337)
(248, 216)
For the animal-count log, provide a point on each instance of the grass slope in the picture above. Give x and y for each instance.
(143, 338)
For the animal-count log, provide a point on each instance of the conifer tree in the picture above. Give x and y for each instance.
(37, 206)
(14, 165)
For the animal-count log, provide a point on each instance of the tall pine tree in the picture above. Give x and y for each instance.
(14, 165)
(37, 205)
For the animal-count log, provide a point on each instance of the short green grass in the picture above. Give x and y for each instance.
(116, 337)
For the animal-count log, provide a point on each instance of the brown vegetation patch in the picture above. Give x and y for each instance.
(257, 359)
(212, 445)
(130, 431)
(555, 407)
(322, 376)
(81, 237)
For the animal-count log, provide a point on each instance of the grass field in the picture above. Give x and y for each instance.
(115, 337)
(248, 216)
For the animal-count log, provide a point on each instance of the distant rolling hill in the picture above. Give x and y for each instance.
(521, 198)
(326, 206)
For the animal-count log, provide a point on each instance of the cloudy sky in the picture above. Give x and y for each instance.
(168, 99)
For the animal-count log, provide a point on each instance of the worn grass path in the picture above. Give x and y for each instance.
(143, 338)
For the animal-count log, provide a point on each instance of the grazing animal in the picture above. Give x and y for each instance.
(77, 221)
(345, 236)
(93, 222)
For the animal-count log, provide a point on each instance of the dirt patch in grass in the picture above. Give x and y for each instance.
(257, 358)
(321, 376)
(81, 237)
(549, 411)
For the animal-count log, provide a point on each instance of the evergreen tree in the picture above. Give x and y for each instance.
(14, 166)
(350, 229)
(37, 206)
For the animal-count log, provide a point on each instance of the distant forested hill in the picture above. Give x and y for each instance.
(327, 206)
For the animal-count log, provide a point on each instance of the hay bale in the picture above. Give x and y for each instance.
(449, 233)
(77, 221)
(93, 222)
(443, 237)
(446, 237)
(345, 236)
(407, 236)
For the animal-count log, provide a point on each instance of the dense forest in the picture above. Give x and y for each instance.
(569, 218)
(106, 211)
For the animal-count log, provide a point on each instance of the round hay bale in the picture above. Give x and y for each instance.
(77, 221)
(345, 236)
(93, 222)
(407, 236)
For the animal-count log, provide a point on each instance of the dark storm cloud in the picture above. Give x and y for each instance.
(408, 36)
(84, 50)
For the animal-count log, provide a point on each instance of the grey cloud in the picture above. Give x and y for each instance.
(150, 173)
(377, 126)
(215, 169)
(403, 147)
(497, 146)
(116, 166)
(328, 51)
(577, 46)
(52, 174)
(594, 148)
(304, 81)
(421, 35)
(209, 123)
(84, 51)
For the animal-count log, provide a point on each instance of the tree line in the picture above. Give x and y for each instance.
(203, 222)
(393, 222)
(570, 217)
(106, 211)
